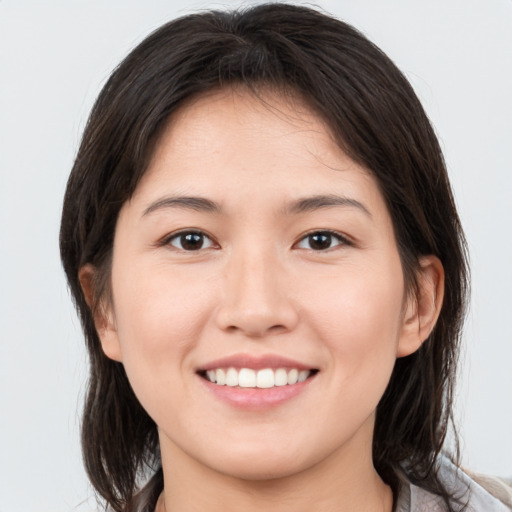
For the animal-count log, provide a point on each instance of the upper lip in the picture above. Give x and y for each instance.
(254, 362)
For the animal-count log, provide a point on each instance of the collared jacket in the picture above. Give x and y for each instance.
(477, 492)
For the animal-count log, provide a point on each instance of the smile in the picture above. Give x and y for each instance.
(264, 378)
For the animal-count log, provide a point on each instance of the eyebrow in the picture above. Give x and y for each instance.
(312, 203)
(199, 204)
(304, 205)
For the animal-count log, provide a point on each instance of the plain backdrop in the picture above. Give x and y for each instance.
(54, 58)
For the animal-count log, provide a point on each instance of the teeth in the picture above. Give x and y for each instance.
(264, 379)
(303, 375)
(293, 375)
(281, 377)
(247, 378)
(231, 377)
(220, 377)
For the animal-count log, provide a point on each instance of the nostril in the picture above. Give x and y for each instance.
(256, 310)
(256, 327)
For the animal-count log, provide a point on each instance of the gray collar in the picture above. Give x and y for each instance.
(477, 499)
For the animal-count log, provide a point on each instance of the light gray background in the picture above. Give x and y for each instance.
(54, 57)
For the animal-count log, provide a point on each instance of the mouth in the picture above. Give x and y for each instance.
(257, 382)
(263, 378)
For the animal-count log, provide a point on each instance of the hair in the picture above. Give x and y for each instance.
(374, 116)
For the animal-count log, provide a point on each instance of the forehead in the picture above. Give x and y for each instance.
(224, 122)
(232, 144)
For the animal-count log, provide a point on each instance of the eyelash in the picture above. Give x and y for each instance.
(342, 240)
(330, 235)
(190, 232)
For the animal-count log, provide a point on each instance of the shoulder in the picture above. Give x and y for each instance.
(496, 487)
(478, 493)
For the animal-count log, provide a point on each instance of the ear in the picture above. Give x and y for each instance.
(102, 313)
(422, 310)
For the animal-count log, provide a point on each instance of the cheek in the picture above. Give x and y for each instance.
(150, 299)
(358, 318)
(159, 316)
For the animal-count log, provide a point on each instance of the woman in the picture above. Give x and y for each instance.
(262, 243)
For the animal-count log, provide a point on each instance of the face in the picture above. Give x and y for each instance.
(258, 296)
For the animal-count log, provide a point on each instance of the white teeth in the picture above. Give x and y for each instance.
(303, 375)
(220, 377)
(293, 375)
(264, 379)
(247, 378)
(281, 377)
(232, 377)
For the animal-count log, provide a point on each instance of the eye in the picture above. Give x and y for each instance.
(190, 241)
(321, 241)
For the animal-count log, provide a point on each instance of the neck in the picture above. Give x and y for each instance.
(340, 483)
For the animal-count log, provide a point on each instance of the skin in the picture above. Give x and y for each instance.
(257, 286)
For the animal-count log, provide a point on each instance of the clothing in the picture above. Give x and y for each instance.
(480, 493)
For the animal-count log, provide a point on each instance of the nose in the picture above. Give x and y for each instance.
(256, 297)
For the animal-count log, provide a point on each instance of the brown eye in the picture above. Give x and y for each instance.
(190, 241)
(321, 241)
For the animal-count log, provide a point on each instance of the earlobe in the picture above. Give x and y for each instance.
(102, 313)
(422, 310)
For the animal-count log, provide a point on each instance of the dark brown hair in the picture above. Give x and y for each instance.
(376, 119)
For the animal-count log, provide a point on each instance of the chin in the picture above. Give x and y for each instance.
(259, 463)
(262, 471)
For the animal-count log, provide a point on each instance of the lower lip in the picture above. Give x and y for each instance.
(256, 398)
